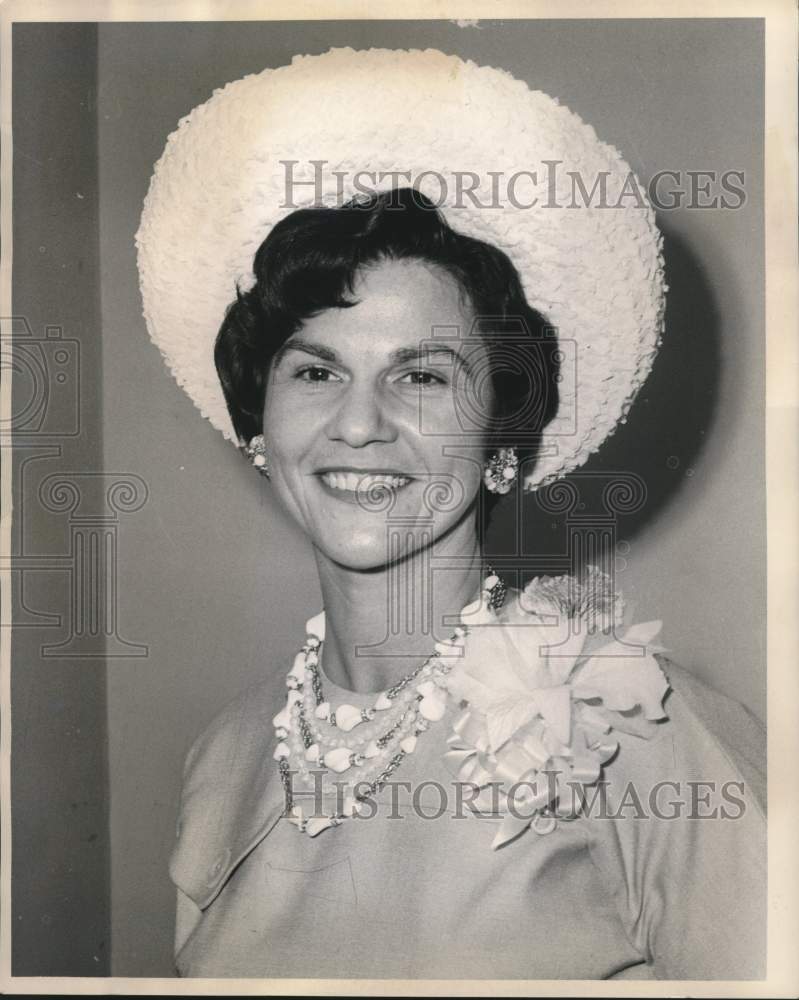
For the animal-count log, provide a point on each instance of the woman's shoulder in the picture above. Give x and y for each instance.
(242, 723)
(720, 714)
(678, 829)
(706, 741)
(712, 732)
(699, 727)
(229, 794)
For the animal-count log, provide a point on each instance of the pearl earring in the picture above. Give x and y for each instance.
(256, 452)
(501, 471)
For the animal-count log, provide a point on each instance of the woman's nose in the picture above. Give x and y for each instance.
(361, 418)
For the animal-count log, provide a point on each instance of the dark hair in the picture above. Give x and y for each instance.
(309, 262)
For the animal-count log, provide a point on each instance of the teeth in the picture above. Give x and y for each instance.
(353, 482)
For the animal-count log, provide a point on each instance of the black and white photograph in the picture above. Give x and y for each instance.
(398, 477)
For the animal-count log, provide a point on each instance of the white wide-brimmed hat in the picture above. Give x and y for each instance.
(505, 164)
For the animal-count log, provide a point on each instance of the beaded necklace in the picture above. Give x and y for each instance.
(370, 742)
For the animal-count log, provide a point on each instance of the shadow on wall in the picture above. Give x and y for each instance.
(653, 452)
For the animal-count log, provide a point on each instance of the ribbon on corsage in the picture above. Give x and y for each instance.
(543, 683)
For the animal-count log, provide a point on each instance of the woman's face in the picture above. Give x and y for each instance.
(360, 405)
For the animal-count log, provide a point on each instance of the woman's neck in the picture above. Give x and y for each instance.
(380, 623)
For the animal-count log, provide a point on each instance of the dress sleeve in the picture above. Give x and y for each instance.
(187, 912)
(681, 838)
(187, 915)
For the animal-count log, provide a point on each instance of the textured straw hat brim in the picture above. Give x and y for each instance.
(594, 269)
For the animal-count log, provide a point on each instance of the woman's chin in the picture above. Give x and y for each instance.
(369, 551)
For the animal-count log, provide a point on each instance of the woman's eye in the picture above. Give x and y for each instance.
(422, 378)
(314, 373)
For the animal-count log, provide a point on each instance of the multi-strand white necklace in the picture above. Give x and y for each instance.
(369, 743)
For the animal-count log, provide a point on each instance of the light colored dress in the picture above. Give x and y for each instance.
(418, 893)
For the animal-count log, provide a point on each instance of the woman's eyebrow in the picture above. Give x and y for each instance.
(398, 357)
(405, 354)
(316, 350)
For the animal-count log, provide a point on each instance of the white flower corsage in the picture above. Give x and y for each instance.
(543, 683)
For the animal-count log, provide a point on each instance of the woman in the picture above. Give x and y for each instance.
(452, 779)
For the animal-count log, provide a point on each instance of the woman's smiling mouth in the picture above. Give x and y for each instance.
(359, 485)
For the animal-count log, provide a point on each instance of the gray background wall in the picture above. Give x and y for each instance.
(214, 579)
(60, 884)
